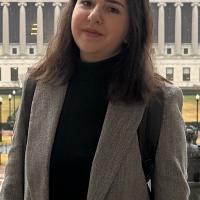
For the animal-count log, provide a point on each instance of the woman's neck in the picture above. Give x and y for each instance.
(96, 58)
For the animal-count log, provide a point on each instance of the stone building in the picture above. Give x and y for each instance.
(27, 26)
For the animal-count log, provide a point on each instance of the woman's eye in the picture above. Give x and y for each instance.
(86, 3)
(113, 10)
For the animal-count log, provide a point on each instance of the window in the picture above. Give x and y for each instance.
(14, 50)
(1, 24)
(154, 8)
(170, 12)
(48, 18)
(31, 50)
(14, 74)
(169, 51)
(153, 51)
(0, 74)
(13, 22)
(170, 73)
(185, 50)
(186, 27)
(186, 74)
(31, 21)
(199, 74)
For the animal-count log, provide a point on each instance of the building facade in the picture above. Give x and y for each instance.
(27, 26)
(176, 38)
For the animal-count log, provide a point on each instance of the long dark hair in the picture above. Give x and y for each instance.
(133, 77)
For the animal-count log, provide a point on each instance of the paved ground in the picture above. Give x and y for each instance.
(4, 148)
(2, 170)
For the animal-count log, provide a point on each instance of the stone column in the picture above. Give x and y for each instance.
(22, 28)
(195, 24)
(161, 28)
(57, 6)
(178, 30)
(39, 28)
(5, 28)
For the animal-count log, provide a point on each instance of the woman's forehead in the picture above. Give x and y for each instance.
(116, 1)
(111, 1)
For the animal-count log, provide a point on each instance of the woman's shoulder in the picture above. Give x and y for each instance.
(29, 85)
(28, 80)
(165, 89)
(172, 93)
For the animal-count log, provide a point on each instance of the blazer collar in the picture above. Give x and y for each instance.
(45, 112)
(119, 128)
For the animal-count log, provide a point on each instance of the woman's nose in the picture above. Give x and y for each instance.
(95, 16)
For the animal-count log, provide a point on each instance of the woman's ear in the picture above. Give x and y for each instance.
(125, 41)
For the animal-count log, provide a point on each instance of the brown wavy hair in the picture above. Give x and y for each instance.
(133, 77)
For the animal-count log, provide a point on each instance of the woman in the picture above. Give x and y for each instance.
(92, 89)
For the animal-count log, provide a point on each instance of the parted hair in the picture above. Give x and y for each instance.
(133, 77)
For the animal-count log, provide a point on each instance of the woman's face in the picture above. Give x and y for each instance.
(99, 27)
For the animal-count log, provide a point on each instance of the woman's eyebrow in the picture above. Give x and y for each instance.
(115, 2)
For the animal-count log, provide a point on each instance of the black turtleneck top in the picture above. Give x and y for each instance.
(79, 129)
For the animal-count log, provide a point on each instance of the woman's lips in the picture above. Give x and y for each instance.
(92, 33)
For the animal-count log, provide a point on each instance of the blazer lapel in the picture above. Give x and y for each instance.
(119, 130)
(120, 126)
(42, 128)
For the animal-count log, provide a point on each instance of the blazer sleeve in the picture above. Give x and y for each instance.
(13, 185)
(170, 178)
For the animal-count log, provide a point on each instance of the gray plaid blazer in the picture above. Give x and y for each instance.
(116, 172)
